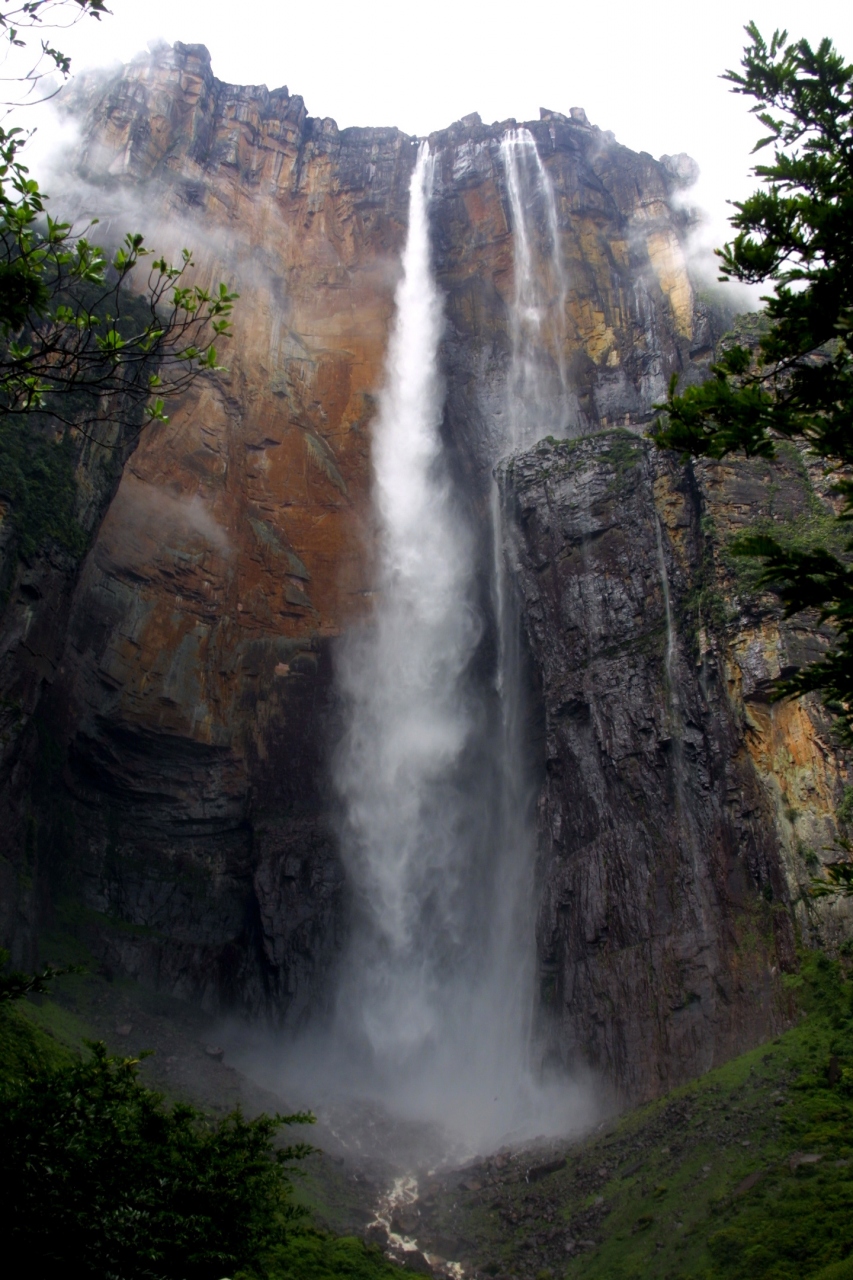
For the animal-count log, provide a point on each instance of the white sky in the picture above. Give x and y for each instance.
(646, 69)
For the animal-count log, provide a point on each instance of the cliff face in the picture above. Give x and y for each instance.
(184, 704)
(187, 706)
(673, 786)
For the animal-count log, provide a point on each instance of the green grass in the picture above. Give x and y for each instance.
(26, 1047)
(37, 479)
(700, 1185)
(316, 1255)
(812, 526)
(670, 1192)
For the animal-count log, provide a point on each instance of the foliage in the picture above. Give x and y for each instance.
(15, 985)
(65, 321)
(792, 376)
(839, 879)
(35, 1044)
(801, 1219)
(26, 1048)
(651, 1194)
(315, 1255)
(42, 1048)
(31, 14)
(104, 1178)
(37, 480)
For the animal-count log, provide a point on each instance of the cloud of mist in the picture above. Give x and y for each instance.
(146, 520)
(122, 203)
(710, 229)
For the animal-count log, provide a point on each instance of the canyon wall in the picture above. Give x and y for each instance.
(682, 812)
(165, 775)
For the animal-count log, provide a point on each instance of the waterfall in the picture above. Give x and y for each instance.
(683, 812)
(671, 690)
(539, 401)
(399, 767)
(434, 1004)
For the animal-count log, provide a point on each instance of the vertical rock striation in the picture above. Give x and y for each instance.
(665, 915)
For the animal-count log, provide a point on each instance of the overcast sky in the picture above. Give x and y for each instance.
(647, 70)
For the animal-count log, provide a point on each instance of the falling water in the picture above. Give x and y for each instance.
(434, 1002)
(683, 810)
(539, 402)
(669, 659)
(400, 765)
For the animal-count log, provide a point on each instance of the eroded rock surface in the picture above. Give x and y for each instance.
(668, 877)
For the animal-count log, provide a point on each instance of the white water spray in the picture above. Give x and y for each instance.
(539, 401)
(435, 998)
(409, 719)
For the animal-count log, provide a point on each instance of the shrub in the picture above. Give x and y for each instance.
(103, 1177)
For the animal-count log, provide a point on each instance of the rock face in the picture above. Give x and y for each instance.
(188, 706)
(167, 771)
(665, 912)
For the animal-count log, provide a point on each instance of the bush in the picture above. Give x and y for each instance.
(315, 1255)
(103, 1177)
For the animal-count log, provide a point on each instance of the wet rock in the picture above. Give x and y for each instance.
(751, 1180)
(406, 1221)
(803, 1157)
(658, 810)
(539, 1171)
(416, 1262)
(446, 1246)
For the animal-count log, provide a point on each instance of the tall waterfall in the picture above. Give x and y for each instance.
(539, 401)
(435, 997)
(401, 768)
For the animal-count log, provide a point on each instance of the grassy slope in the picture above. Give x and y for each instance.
(699, 1184)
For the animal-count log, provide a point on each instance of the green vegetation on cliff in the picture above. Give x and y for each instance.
(88, 344)
(790, 376)
(105, 1177)
(746, 1173)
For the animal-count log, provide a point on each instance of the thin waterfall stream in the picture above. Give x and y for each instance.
(539, 401)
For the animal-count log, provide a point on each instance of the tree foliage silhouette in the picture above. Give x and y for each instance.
(83, 338)
(796, 232)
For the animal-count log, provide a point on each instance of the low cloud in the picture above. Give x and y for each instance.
(145, 521)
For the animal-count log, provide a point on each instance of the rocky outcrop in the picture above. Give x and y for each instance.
(167, 775)
(632, 317)
(665, 916)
